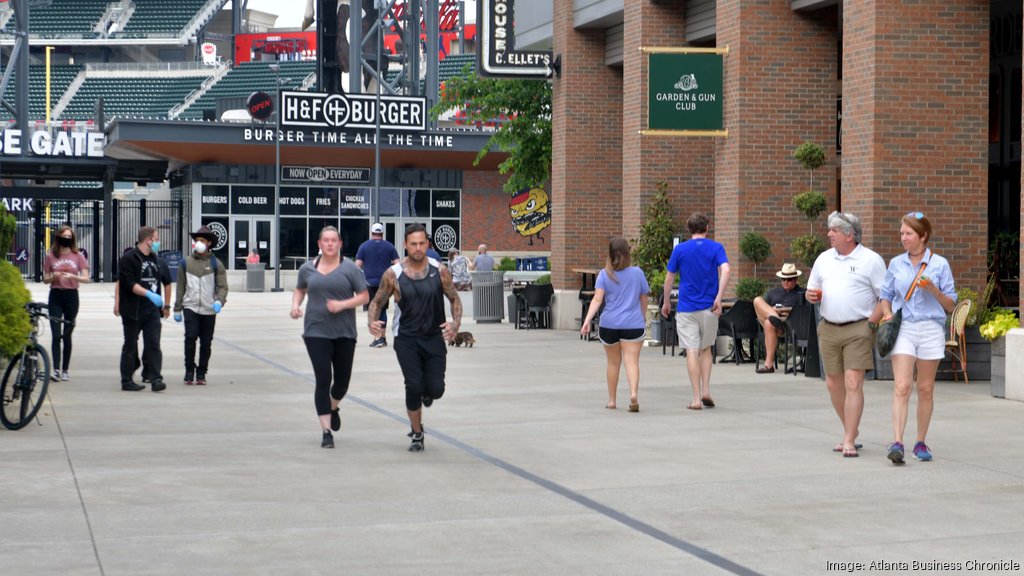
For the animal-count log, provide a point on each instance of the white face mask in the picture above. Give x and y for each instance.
(200, 247)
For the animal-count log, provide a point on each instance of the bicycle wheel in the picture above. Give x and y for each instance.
(24, 387)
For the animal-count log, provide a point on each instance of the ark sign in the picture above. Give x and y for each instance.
(497, 56)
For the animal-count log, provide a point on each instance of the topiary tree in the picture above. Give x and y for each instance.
(806, 248)
(654, 246)
(756, 248)
(810, 203)
(811, 157)
(750, 288)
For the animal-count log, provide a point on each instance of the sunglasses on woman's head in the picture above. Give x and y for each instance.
(915, 215)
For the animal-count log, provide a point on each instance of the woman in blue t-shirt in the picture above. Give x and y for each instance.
(623, 290)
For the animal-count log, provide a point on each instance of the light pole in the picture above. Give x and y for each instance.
(375, 203)
(276, 234)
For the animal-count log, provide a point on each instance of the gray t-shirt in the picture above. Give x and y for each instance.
(484, 263)
(342, 283)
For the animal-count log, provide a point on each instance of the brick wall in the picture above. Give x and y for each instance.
(687, 164)
(586, 171)
(486, 218)
(915, 124)
(780, 90)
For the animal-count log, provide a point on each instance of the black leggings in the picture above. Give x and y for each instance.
(326, 354)
(423, 361)
(62, 304)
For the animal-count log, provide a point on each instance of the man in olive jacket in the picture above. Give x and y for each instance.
(202, 292)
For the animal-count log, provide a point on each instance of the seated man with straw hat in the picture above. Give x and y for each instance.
(788, 295)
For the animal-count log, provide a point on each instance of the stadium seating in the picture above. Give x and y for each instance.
(150, 97)
(64, 19)
(159, 17)
(60, 77)
(247, 78)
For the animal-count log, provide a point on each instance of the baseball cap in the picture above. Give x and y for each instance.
(377, 228)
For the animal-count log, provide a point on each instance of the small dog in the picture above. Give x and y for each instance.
(463, 338)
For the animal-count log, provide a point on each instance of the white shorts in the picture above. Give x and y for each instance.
(925, 340)
(696, 330)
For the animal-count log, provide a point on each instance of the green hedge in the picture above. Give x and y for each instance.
(14, 324)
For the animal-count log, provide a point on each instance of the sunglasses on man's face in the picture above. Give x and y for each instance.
(789, 279)
(915, 215)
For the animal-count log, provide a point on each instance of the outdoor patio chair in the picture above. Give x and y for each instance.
(956, 346)
(740, 323)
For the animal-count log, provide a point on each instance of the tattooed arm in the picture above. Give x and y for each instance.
(388, 286)
(450, 329)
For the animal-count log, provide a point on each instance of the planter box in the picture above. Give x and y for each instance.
(998, 367)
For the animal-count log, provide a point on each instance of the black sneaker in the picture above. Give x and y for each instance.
(189, 379)
(427, 400)
(328, 441)
(417, 441)
(335, 419)
(158, 385)
(146, 380)
(131, 387)
(777, 322)
(201, 380)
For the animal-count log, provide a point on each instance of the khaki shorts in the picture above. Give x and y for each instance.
(697, 330)
(846, 347)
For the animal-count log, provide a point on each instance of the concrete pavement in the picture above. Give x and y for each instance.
(525, 472)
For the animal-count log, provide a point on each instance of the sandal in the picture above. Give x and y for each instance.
(850, 453)
(839, 447)
(634, 406)
(707, 402)
(765, 369)
(695, 406)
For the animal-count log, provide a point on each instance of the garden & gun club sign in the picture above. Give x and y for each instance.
(340, 111)
(685, 90)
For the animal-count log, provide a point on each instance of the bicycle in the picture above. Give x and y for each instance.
(27, 376)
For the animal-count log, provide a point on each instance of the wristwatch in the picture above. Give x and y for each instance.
(872, 325)
(167, 307)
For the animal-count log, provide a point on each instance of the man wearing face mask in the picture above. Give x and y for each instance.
(202, 292)
(141, 308)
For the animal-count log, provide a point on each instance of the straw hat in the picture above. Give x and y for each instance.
(788, 271)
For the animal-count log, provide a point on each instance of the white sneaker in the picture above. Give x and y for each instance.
(64, 376)
(55, 376)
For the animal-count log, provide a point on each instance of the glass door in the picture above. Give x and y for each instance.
(394, 231)
(252, 233)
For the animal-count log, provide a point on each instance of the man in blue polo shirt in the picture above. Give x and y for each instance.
(375, 256)
(703, 272)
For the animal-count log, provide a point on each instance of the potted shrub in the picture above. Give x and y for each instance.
(750, 288)
(14, 321)
(977, 348)
(756, 248)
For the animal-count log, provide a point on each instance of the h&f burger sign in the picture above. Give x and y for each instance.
(403, 113)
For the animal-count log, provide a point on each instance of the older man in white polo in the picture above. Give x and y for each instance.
(847, 281)
(768, 308)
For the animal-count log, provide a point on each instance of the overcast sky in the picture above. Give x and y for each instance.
(289, 12)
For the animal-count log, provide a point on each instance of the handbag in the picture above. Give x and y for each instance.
(885, 337)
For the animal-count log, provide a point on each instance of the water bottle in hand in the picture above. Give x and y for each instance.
(217, 307)
(177, 316)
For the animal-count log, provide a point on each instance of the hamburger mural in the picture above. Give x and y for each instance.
(531, 213)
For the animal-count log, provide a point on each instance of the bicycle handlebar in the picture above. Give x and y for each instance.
(38, 310)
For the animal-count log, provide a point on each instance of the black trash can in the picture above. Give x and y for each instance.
(255, 276)
(488, 296)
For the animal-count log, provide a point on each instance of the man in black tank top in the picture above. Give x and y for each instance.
(420, 327)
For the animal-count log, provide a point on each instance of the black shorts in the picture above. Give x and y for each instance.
(612, 336)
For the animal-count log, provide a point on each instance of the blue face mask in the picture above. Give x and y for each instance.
(156, 246)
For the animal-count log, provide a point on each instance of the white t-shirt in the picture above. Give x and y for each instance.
(850, 285)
